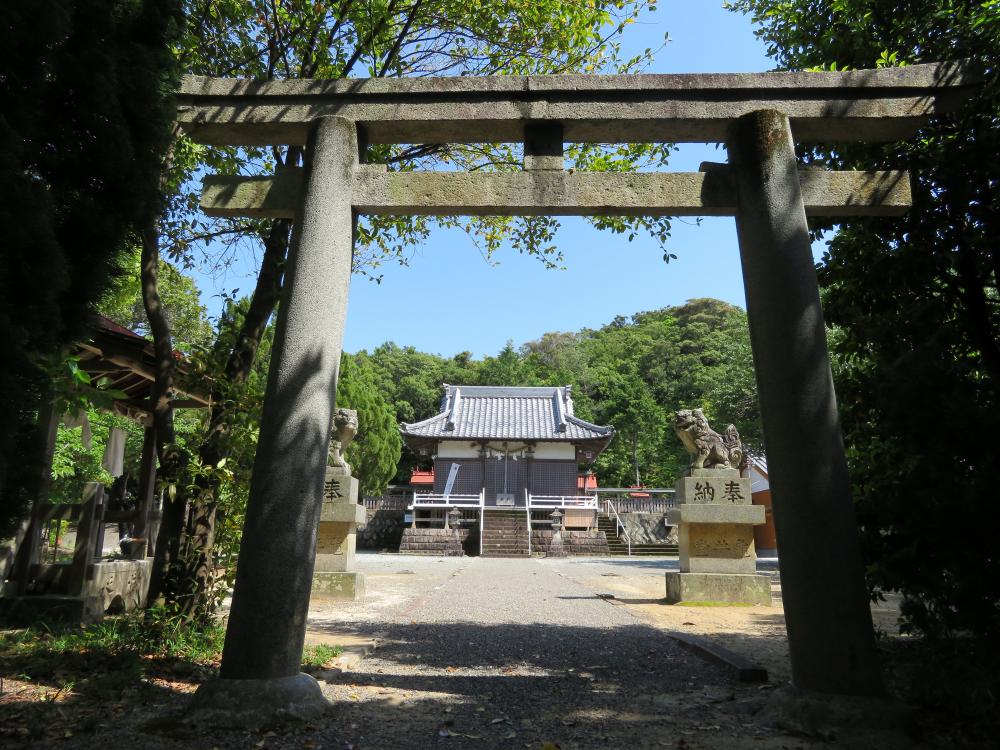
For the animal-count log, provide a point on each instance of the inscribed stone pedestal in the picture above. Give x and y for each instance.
(715, 520)
(336, 538)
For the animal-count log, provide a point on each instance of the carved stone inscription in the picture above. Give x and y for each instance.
(716, 490)
(720, 540)
(339, 488)
(331, 539)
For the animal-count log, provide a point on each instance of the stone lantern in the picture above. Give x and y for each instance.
(556, 547)
(453, 547)
(556, 517)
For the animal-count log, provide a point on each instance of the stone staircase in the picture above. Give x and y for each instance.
(505, 533)
(619, 546)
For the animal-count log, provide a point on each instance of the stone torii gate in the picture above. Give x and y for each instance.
(759, 117)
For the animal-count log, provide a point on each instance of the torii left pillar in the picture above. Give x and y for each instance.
(260, 678)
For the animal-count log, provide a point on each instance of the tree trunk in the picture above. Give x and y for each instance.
(191, 583)
(167, 540)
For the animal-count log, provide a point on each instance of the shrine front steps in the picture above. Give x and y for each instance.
(619, 546)
(505, 533)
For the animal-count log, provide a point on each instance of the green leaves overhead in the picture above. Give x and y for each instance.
(398, 38)
(915, 307)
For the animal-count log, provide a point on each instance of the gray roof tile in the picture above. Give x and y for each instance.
(476, 412)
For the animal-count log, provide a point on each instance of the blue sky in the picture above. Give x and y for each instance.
(449, 299)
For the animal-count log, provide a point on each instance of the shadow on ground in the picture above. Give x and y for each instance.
(445, 685)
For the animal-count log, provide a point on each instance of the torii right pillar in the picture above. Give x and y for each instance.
(827, 614)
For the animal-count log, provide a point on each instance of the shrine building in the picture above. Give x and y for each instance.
(505, 460)
(507, 443)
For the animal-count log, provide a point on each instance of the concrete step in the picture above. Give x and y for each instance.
(504, 551)
(505, 542)
(498, 554)
(505, 531)
(644, 553)
(523, 542)
(501, 526)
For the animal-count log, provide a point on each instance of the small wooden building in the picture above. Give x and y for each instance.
(506, 470)
(507, 442)
(90, 583)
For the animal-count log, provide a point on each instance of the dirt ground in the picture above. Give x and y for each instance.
(756, 633)
(473, 653)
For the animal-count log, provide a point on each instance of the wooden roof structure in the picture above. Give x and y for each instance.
(479, 413)
(128, 362)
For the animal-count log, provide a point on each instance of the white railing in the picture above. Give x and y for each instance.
(434, 501)
(653, 500)
(386, 502)
(527, 512)
(582, 502)
(446, 501)
(619, 525)
(644, 504)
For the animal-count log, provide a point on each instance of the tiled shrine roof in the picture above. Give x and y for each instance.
(476, 412)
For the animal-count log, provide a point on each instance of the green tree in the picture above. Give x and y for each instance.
(507, 368)
(374, 452)
(182, 305)
(411, 383)
(622, 399)
(703, 360)
(85, 118)
(633, 374)
(916, 308)
(303, 39)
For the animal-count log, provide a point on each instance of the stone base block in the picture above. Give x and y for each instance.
(556, 547)
(718, 587)
(338, 585)
(575, 543)
(255, 704)
(121, 585)
(441, 542)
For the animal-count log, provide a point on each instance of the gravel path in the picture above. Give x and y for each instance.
(505, 653)
(487, 654)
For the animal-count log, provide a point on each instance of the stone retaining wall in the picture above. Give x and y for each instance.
(433, 542)
(383, 530)
(574, 542)
(649, 528)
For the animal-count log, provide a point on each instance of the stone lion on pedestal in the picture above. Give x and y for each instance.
(709, 449)
(345, 427)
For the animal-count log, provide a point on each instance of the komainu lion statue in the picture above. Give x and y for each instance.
(708, 449)
(345, 427)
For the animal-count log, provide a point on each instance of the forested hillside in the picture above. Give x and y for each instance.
(632, 373)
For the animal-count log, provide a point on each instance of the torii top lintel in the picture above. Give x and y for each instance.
(861, 105)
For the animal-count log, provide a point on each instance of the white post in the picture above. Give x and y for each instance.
(527, 509)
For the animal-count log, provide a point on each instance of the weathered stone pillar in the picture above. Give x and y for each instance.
(263, 649)
(147, 492)
(334, 576)
(827, 613)
(715, 521)
(28, 545)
